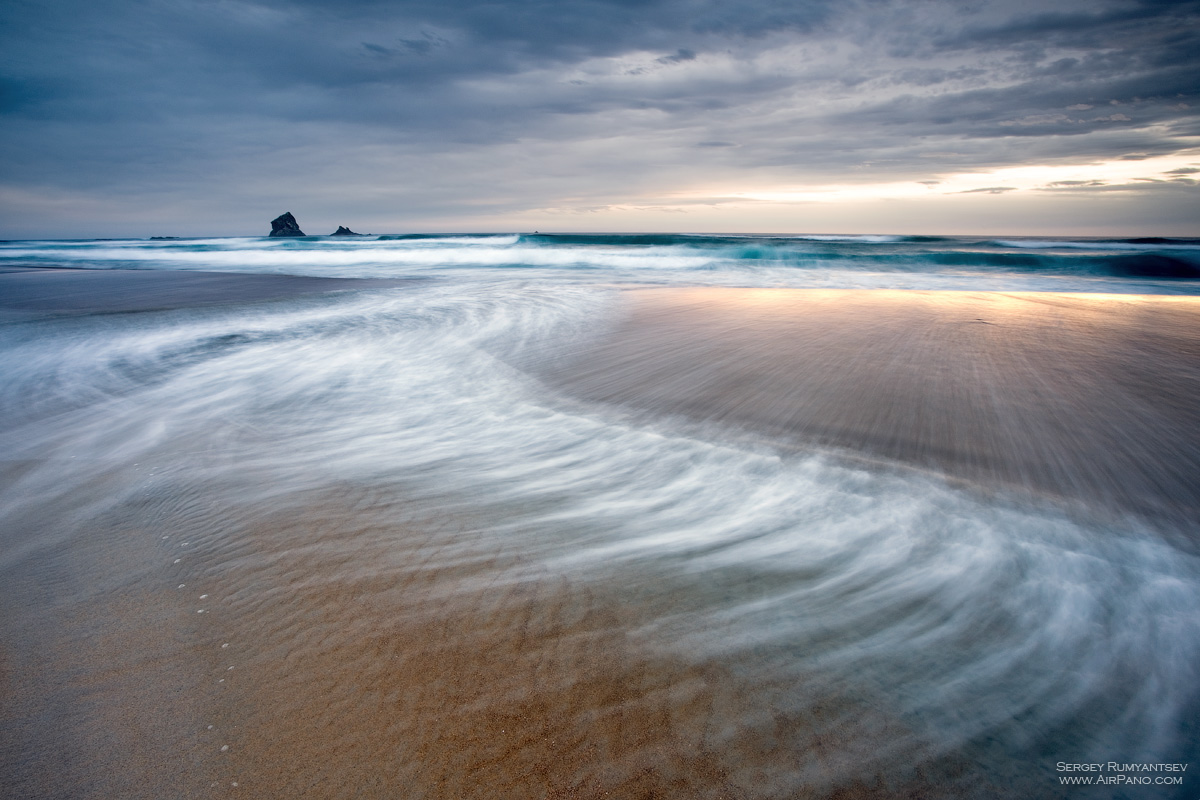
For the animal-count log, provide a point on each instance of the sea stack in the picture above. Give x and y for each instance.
(285, 225)
(344, 231)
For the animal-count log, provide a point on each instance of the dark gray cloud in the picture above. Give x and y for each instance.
(463, 110)
(683, 54)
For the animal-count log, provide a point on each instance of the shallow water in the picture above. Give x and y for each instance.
(360, 538)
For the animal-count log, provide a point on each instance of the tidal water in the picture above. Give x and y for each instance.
(342, 542)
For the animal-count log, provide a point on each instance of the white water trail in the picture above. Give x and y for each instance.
(970, 621)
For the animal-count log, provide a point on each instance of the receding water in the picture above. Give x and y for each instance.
(360, 537)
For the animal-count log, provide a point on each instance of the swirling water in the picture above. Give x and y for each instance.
(361, 477)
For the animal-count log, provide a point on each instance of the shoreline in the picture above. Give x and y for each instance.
(1087, 398)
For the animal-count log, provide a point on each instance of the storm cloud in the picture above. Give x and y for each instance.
(190, 117)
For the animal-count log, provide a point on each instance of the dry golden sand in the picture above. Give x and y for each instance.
(378, 655)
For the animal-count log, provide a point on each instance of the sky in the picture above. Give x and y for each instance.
(211, 117)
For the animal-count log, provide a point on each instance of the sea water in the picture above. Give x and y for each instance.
(869, 626)
(1153, 265)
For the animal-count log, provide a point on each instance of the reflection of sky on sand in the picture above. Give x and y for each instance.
(1013, 302)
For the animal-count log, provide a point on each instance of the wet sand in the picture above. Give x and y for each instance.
(196, 642)
(1090, 399)
(341, 654)
(35, 290)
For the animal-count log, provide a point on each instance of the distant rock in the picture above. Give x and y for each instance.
(285, 225)
(344, 231)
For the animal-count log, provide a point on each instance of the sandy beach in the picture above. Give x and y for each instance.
(208, 622)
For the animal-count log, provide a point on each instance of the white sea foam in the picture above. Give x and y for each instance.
(371, 259)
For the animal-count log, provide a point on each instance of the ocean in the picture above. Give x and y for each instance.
(505, 522)
(1140, 265)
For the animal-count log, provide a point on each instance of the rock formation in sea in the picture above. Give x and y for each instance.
(344, 231)
(285, 225)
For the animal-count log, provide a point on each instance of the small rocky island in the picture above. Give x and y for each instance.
(285, 225)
